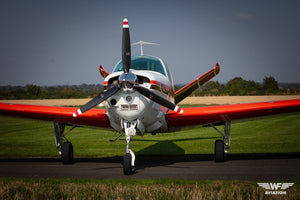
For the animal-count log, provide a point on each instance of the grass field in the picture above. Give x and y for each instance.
(30, 138)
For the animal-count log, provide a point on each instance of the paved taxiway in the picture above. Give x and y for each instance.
(201, 167)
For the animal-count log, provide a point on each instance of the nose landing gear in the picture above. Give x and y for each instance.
(129, 157)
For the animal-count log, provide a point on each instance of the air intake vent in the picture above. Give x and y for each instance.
(129, 107)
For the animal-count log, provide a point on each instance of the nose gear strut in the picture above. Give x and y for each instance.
(129, 157)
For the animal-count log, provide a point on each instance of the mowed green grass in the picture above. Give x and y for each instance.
(31, 138)
(12, 188)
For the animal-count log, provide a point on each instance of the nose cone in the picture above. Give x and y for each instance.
(128, 79)
(128, 105)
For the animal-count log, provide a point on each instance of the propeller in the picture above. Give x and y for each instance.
(95, 101)
(158, 99)
(127, 79)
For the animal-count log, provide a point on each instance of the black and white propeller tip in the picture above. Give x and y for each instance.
(178, 110)
(125, 23)
(77, 113)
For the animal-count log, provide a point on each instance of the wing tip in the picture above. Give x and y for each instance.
(217, 69)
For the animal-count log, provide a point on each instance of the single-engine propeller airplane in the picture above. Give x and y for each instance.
(140, 98)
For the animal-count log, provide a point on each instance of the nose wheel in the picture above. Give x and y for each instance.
(128, 163)
(127, 168)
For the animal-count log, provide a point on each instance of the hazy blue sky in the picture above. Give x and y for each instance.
(63, 42)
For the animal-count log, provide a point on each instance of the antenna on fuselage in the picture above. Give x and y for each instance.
(141, 43)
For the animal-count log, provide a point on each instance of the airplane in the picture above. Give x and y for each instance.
(140, 98)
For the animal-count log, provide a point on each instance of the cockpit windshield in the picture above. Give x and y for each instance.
(143, 63)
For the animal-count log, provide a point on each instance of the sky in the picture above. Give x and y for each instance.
(60, 42)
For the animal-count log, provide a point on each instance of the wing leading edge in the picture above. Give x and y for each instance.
(95, 117)
(190, 116)
(214, 114)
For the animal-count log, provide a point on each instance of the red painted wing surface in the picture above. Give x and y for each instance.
(189, 88)
(190, 116)
(213, 114)
(94, 117)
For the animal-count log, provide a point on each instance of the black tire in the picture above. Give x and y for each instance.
(219, 151)
(67, 153)
(127, 168)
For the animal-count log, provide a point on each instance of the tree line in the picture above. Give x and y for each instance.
(241, 87)
(234, 87)
(53, 92)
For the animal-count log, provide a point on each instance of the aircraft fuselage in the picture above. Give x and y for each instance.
(129, 105)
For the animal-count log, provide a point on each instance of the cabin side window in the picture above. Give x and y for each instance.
(169, 74)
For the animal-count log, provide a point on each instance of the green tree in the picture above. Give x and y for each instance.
(236, 86)
(213, 88)
(33, 91)
(253, 88)
(270, 85)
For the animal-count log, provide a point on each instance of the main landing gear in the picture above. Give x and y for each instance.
(222, 146)
(64, 147)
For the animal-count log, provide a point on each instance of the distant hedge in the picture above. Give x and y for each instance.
(234, 87)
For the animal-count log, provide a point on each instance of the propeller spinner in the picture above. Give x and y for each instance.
(127, 79)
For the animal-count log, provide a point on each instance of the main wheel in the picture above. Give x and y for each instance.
(219, 151)
(67, 153)
(127, 168)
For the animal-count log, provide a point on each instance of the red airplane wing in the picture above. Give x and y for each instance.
(94, 117)
(214, 114)
(189, 88)
(190, 116)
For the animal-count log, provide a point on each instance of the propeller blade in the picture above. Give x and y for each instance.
(126, 51)
(95, 101)
(158, 99)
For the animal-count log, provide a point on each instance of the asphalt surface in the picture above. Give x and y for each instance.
(258, 167)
